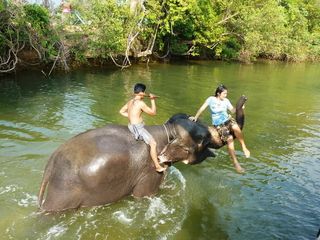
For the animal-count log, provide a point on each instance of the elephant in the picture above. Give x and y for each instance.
(106, 164)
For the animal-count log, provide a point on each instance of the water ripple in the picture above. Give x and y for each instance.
(23, 131)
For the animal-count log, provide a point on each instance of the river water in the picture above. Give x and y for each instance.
(276, 198)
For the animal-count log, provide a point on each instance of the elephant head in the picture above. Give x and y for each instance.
(192, 141)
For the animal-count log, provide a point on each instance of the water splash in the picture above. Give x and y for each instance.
(122, 217)
(9, 189)
(56, 231)
(156, 208)
(28, 200)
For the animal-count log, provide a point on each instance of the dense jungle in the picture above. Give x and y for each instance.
(94, 32)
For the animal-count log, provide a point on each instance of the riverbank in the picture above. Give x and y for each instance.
(28, 57)
(112, 32)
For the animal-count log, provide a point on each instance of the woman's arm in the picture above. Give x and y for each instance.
(201, 109)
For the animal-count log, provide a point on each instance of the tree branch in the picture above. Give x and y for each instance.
(226, 19)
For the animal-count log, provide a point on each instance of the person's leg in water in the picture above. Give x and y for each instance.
(238, 133)
(154, 156)
(231, 150)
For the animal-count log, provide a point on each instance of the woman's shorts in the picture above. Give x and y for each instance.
(225, 130)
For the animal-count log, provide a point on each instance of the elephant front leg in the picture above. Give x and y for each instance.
(148, 185)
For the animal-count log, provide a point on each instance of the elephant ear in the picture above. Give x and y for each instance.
(204, 140)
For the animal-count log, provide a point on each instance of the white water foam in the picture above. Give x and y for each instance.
(175, 173)
(55, 231)
(156, 208)
(122, 217)
(28, 200)
(10, 188)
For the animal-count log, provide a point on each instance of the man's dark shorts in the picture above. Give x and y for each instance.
(140, 133)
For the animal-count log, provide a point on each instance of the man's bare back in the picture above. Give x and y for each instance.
(135, 111)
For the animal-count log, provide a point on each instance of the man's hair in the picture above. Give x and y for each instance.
(220, 89)
(139, 87)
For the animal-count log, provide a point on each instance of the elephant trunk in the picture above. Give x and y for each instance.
(240, 111)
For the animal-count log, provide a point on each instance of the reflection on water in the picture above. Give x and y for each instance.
(277, 197)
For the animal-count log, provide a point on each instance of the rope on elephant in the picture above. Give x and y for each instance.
(165, 128)
(170, 134)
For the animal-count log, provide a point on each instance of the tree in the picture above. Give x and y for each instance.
(25, 27)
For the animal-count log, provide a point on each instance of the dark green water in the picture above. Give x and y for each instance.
(277, 197)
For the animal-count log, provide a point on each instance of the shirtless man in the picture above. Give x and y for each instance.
(133, 111)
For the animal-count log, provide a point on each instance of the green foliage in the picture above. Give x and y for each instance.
(187, 26)
(37, 19)
(230, 49)
(261, 27)
(2, 26)
(239, 30)
(107, 28)
(277, 29)
(26, 36)
(37, 15)
(297, 33)
(312, 9)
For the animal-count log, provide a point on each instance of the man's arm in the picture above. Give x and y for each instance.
(151, 111)
(124, 110)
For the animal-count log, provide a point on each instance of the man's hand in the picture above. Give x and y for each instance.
(151, 96)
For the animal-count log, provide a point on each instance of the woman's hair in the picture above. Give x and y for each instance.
(139, 87)
(220, 89)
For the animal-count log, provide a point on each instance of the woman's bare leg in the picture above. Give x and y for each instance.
(231, 150)
(238, 133)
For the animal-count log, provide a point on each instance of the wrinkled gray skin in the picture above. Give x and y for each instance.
(103, 165)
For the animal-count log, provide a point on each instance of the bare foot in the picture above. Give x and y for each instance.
(246, 152)
(238, 168)
(160, 169)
